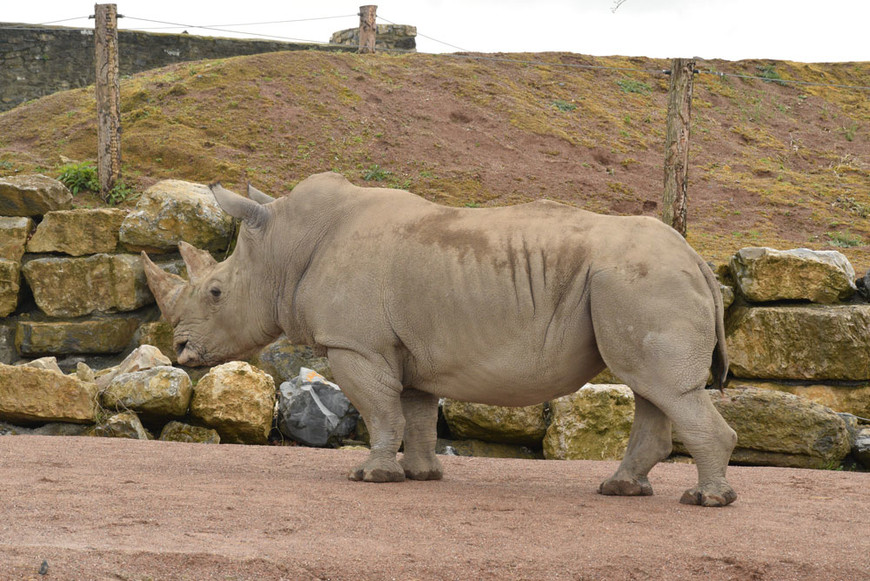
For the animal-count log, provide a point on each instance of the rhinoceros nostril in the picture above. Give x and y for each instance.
(180, 347)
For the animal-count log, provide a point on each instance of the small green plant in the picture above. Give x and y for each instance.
(633, 86)
(79, 177)
(119, 192)
(849, 131)
(564, 106)
(376, 174)
(844, 239)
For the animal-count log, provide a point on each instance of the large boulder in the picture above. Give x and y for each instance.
(810, 343)
(524, 426)
(314, 411)
(765, 275)
(171, 211)
(32, 395)
(780, 429)
(861, 449)
(97, 336)
(73, 287)
(10, 286)
(592, 424)
(237, 400)
(78, 232)
(158, 392)
(32, 195)
(13, 237)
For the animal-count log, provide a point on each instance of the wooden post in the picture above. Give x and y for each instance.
(677, 144)
(367, 28)
(108, 91)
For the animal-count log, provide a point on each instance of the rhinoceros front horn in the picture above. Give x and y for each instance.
(166, 288)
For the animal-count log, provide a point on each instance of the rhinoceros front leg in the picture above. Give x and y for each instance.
(421, 426)
(648, 444)
(377, 397)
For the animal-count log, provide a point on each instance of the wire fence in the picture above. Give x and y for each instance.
(463, 53)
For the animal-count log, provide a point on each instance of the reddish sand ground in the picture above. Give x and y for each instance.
(88, 508)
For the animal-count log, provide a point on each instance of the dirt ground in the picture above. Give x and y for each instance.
(88, 508)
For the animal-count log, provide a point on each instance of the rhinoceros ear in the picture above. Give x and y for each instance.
(165, 287)
(258, 196)
(198, 262)
(249, 211)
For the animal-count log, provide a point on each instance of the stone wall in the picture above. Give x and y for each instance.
(389, 37)
(38, 60)
(72, 286)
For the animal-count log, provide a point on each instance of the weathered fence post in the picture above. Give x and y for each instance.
(108, 92)
(367, 28)
(677, 144)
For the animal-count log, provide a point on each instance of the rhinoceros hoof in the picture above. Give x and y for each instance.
(720, 495)
(422, 469)
(615, 487)
(378, 470)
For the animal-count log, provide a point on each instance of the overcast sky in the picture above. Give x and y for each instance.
(799, 30)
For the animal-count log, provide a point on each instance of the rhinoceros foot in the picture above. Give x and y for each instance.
(378, 470)
(422, 468)
(709, 495)
(633, 487)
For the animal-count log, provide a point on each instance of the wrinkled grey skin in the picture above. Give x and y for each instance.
(513, 306)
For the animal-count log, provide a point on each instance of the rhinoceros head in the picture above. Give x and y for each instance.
(222, 312)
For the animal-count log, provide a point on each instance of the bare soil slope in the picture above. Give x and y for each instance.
(123, 509)
(783, 165)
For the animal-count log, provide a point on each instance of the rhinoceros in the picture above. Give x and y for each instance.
(412, 301)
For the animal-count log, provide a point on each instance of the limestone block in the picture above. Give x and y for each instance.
(780, 429)
(171, 211)
(122, 425)
(78, 232)
(480, 449)
(765, 274)
(49, 363)
(505, 425)
(32, 195)
(13, 237)
(159, 334)
(102, 283)
(29, 394)
(143, 357)
(237, 400)
(179, 432)
(10, 285)
(591, 424)
(98, 336)
(812, 342)
(158, 392)
(849, 398)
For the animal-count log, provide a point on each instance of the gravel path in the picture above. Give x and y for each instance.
(90, 508)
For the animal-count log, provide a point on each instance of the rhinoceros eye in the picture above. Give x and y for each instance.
(215, 292)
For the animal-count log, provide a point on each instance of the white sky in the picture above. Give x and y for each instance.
(798, 30)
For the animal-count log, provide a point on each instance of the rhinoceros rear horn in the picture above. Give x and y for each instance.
(198, 262)
(166, 288)
(250, 212)
(258, 196)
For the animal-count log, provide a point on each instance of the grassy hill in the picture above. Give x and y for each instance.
(772, 164)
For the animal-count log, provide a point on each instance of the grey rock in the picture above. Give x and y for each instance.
(314, 413)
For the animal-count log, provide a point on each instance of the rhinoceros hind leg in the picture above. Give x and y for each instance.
(421, 419)
(709, 495)
(648, 444)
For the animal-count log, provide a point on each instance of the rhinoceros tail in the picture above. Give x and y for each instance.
(719, 367)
